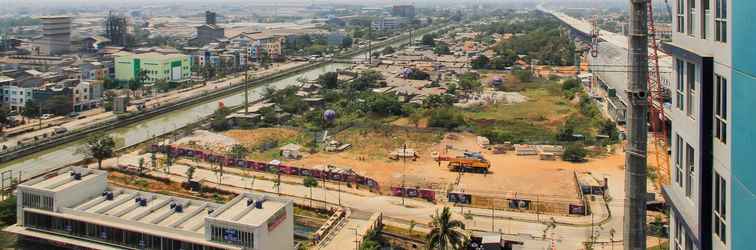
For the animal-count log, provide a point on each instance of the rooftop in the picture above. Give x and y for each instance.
(243, 209)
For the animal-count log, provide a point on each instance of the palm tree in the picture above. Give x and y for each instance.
(99, 147)
(310, 183)
(238, 152)
(446, 233)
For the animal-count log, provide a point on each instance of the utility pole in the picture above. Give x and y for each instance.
(404, 171)
(635, 155)
(370, 44)
(246, 90)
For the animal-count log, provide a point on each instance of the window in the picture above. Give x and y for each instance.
(679, 234)
(690, 169)
(720, 21)
(691, 90)
(680, 70)
(678, 161)
(705, 23)
(720, 109)
(691, 17)
(720, 207)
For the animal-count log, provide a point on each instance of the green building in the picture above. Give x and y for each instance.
(156, 67)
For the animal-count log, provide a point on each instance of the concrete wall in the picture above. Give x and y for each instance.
(282, 237)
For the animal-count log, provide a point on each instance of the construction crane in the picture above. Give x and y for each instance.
(656, 96)
(594, 37)
(472, 162)
(658, 120)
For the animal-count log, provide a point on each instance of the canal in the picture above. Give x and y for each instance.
(65, 154)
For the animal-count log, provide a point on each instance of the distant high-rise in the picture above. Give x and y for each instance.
(210, 18)
(208, 32)
(116, 29)
(56, 36)
(407, 11)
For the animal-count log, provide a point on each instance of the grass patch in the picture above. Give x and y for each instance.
(377, 144)
(536, 120)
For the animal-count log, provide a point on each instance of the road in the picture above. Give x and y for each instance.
(529, 227)
(96, 116)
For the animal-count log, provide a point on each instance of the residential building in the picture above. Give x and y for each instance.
(713, 179)
(155, 67)
(258, 43)
(407, 11)
(76, 207)
(92, 71)
(56, 36)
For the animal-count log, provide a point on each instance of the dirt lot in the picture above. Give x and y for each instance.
(509, 173)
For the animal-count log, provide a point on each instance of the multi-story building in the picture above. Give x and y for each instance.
(208, 32)
(407, 11)
(155, 67)
(258, 43)
(56, 36)
(387, 23)
(92, 71)
(76, 207)
(713, 179)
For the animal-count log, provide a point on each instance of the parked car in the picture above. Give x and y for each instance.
(46, 116)
(73, 114)
(60, 130)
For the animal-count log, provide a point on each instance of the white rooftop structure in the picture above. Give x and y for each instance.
(79, 207)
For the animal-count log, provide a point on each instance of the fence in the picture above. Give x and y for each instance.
(266, 167)
(521, 202)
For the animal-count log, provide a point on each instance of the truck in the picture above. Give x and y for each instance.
(469, 164)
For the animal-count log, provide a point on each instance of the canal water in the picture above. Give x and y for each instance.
(136, 133)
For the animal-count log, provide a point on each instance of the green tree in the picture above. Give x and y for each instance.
(470, 82)
(479, 62)
(219, 119)
(264, 58)
(429, 40)
(574, 153)
(446, 118)
(347, 42)
(99, 147)
(446, 233)
(31, 109)
(329, 80)
(141, 166)
(8, 211)
(238, 151)
(500, 63)
(442, 49)
(190, 173)
(523, 75)
(310, 183)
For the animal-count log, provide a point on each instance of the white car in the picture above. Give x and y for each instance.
(46, 116)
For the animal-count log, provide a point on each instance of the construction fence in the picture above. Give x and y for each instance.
(266, 167)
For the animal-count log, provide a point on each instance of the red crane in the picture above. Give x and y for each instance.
(656, 101)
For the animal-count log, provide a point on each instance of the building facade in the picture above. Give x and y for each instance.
(713, 182)
(75, 207)
(407, 11)
(56, 36)
(387, 23)
(155, 67)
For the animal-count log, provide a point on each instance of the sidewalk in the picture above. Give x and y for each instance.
(415, 209)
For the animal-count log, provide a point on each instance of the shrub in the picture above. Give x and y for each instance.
(574, 153)
(446, 118)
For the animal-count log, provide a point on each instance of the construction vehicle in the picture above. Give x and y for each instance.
(470, 162)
